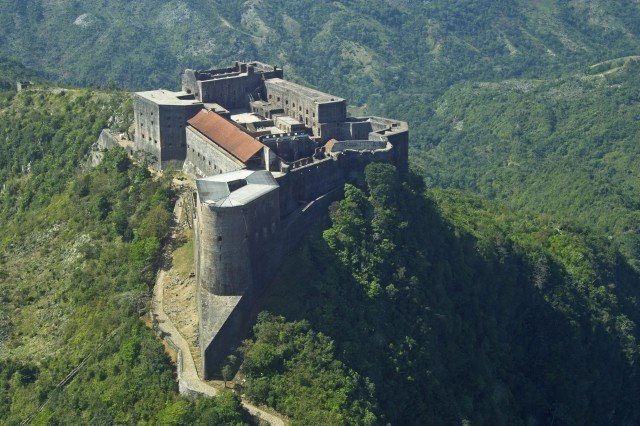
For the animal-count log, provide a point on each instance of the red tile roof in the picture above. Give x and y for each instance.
(226, 135)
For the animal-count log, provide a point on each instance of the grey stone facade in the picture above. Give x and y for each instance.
(205, 158)
(160, 118)
(233, 87)
(270, 156)
(308, 106)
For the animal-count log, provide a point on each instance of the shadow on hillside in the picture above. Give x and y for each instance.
(493, 338)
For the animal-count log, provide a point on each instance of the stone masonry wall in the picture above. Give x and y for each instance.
(203, 158)
(173, 121)
(147, 136)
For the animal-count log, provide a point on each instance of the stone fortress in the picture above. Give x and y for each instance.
(268, 156)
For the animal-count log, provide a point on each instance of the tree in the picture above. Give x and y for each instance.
(227, 374)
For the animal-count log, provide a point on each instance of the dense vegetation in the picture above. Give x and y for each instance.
(412, 307)
(369, 51)
(13, 72)
(78, 252)
(564, 147)
(448, 309)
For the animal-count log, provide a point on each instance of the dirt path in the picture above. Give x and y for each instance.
(188, 380)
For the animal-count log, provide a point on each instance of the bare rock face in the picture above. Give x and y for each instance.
(86, 20)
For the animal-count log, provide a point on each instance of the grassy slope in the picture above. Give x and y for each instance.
(77, 256)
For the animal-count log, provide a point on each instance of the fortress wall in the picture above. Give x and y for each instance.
(263, 235)
(304, 108)
(297, 226)
(400, 142)
(223, 250)
(354, 162)
(332, 112)
(107, 140)
(237, 324)
(172, 123)
(204, 158)
(232, 92)
(359, 145)
(397, 133)
(307, 183)
(238, 251)
(354, 130)
(190, 83)
(147, 137)
(328, 131)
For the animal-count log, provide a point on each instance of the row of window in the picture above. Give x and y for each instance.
(265, 231)
(199, 155)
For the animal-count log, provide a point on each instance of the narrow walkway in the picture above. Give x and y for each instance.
(188, 380)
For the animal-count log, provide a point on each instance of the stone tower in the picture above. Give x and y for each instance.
(238, 217)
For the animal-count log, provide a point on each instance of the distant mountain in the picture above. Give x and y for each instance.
(565, 147)
(360, 49)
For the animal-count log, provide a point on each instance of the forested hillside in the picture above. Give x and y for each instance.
(363, 50)
(442, 308)
(566, 147)
(416, 304)
(78, 251)
(12, 72)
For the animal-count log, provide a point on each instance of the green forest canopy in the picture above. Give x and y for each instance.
(441, 308)
(78, 253)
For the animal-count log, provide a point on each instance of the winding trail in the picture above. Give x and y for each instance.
(189, 383)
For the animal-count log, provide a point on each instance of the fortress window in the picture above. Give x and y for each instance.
(270, 97)
(278, 98)
(287, 102)
(219, 238)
